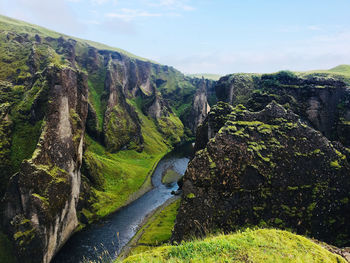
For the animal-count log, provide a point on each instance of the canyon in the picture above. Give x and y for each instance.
(84, 127)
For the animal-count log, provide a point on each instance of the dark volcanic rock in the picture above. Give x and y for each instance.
(323, 101)
(266, 169)
(40, 203)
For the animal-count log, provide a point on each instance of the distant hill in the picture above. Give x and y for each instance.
(341, 69)
(206, 76)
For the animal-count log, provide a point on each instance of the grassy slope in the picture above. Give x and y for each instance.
(341, 69)
(127, 171)
(14, 25)
(255, 246)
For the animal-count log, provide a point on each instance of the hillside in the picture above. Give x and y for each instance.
(256, 246)
(345, 69)
(82, 126)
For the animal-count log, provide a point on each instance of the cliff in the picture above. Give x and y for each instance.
(268, 169)
(82, 125)
(320, 99)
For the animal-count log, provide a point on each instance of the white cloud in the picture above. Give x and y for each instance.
(129, 14)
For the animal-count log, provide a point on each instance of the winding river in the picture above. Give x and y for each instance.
(103, 240)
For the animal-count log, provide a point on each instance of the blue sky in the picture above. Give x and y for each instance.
(208, 36)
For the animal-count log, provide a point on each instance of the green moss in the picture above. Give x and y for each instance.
(190, 196)
(345, 201)
(335, 164)
(43, 199)
(120, 130)
(24, 141)
(258, 246)
(96, 94)
(24, 237)
(311, 207)
(278, 221)
(172, 128)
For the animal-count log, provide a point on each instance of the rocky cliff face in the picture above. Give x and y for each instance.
(265, 168)
(200, 106)
(60, 100)
(322, 100)
(40, 203)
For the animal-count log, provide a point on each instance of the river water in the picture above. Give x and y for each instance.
(102, 241)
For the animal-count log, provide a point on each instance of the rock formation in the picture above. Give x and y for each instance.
(40, 203)
(321, 100)
(265, 168)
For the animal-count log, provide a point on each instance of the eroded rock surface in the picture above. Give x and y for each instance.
(265, 168)
(40, 203)
(321, 100)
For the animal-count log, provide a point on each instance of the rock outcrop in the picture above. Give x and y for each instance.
(321, 100)
(265, 168)
(200, 106)
(40, 203)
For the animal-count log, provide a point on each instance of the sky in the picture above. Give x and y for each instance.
(205, 36)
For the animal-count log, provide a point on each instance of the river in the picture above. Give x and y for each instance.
(102, 241)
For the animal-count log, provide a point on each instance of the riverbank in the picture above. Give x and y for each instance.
(158, 225)
(110, 234)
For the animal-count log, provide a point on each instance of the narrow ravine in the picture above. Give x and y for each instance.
(102, 241)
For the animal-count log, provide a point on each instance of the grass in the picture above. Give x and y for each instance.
(254, 246)
(127, 172)
(6, 250)
(170, 176)
(18, 26)
(96, 88)
(341, 69)
(24, 141)
(157, 230)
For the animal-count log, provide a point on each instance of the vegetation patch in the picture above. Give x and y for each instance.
(170, 176)
(125, 172)
(157, 230)
(255, 246)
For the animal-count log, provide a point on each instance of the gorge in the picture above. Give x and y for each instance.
(87, 132)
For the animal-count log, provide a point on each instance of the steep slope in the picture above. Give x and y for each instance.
(256, 246)
(82, 126)
(265, 168)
